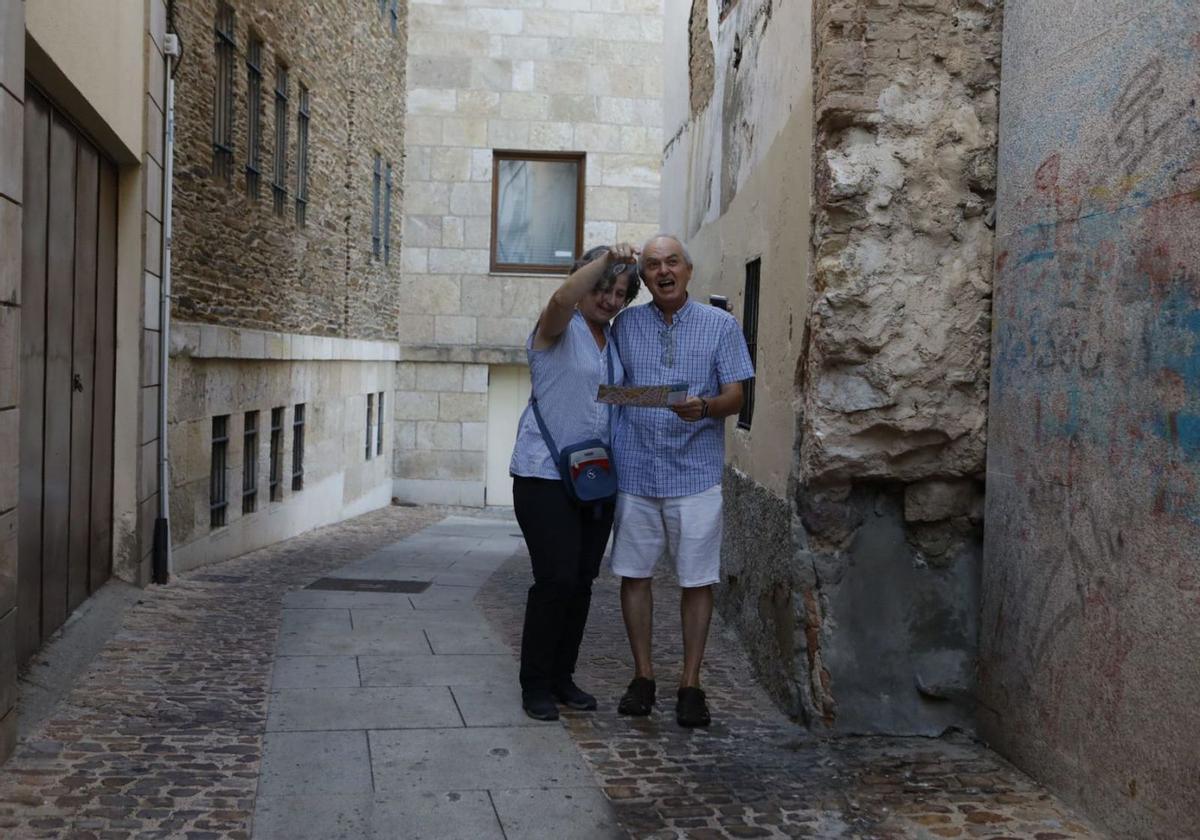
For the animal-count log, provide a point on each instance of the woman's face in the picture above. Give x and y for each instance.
(600, 307)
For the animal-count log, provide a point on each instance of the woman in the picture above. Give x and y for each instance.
(569, 357)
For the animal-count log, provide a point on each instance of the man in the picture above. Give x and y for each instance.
(669, 465)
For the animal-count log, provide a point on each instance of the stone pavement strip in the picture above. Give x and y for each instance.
(238, 703)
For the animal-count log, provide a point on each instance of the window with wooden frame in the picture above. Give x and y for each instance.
(379, 424)
(750, 330)
(276, 455)
(298, 447)
(217, 479)
(279, 184)
(250, 463)
(302, 114)
(226, 51)
(537, 211)
(254, 76)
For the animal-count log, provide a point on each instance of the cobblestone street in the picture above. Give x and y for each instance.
(164, 734)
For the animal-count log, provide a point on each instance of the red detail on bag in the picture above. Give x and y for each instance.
(583, 465)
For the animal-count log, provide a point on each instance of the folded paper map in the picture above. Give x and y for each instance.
(643, 395)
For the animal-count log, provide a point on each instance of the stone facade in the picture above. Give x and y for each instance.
(276, 309)
(877, 147)
(553, 75)
(103, 69)
(1091, 584)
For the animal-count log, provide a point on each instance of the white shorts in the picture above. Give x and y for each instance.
(688, 528)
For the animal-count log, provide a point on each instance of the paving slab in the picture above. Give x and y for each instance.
(314, 672)
(461, 670)
(443, 598)
(495, 704)
(492, 758)
(393, 641)
(299, 622)
(377, 617)
(303, 763)
(572, 814)
(332, 599)
(375, 707)
(448, 815)
(451, 639)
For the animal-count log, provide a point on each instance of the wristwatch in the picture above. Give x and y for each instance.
(703, 408)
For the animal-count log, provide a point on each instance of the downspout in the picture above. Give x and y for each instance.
(162, 527)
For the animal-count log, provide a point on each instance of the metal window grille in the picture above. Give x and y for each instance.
(379, 424)
(376, 241)
(370, 424)
(226, 49)
(276, 466)
(394, 12)
(254, 77)
(279, 185)
(250, 463)
(750, 330)
(387, 216)
(217, 501)
(302, 115)
(298, 448)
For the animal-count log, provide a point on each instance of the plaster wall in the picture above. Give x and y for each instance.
(68, 32)
(1091, 615)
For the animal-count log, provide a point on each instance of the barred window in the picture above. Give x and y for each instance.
(376, 240)
(302, 157)
(394, 13)
(750, 330)
(298, 448)
(254, 77)
(276, 466)
(217, 500)
(370, 425)
(250, 463)
(379, 424)
(387, 216)
(279, 186)
(226, 49)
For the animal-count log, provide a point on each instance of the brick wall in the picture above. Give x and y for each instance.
(236, 262)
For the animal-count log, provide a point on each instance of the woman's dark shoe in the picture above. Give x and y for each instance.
(691, 709)
(639, 697)
(569, 694)
(539, 704)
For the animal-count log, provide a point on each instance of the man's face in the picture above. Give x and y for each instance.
(666, 273)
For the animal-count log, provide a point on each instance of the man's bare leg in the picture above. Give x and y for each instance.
(637, 608)
(695, 613)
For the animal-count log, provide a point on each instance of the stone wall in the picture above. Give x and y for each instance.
(236, 262)
(553, 75)
(1091, 587)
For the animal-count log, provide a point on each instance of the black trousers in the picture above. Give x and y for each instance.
(566, 543)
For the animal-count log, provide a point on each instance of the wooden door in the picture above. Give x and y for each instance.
(68, 352)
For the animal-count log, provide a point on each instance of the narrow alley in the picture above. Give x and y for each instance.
(271, 696)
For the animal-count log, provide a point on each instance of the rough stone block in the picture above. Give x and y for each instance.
(608, 203)
(478, 232)
(414, 260)
(10, 457)
(452, 164)
(415, 329)
(458, 261)
(553, 136)
(930, 501)
(474, 437)
(599, 233)
(422, 231)
(8, 560)
(481, 165)
(406, 376)
(432, 101)
(445, 72)
(475, 379)
(12, 138)
(406, 435)
(504, 332)
(524, 106)
(573, 108)
(423, 129)
(428, 198)
(621, 170)
(462, 407)
(465, 131)
(643, 206)
(10, 381)
(453, 232)
(496, 21)
(434, 294)
(10, 254)
(453, 329)
(439, 376)
(562, 77)
(434, 435)
(416, 405)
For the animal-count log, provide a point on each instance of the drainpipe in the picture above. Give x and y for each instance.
(162, 528)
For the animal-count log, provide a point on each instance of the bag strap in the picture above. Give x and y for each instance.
(541, 421)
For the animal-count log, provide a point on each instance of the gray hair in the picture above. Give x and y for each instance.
(687, 258)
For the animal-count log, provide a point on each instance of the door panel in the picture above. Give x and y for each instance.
(508, 393)
(83, 362)
(68, 352)
(33, 373)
